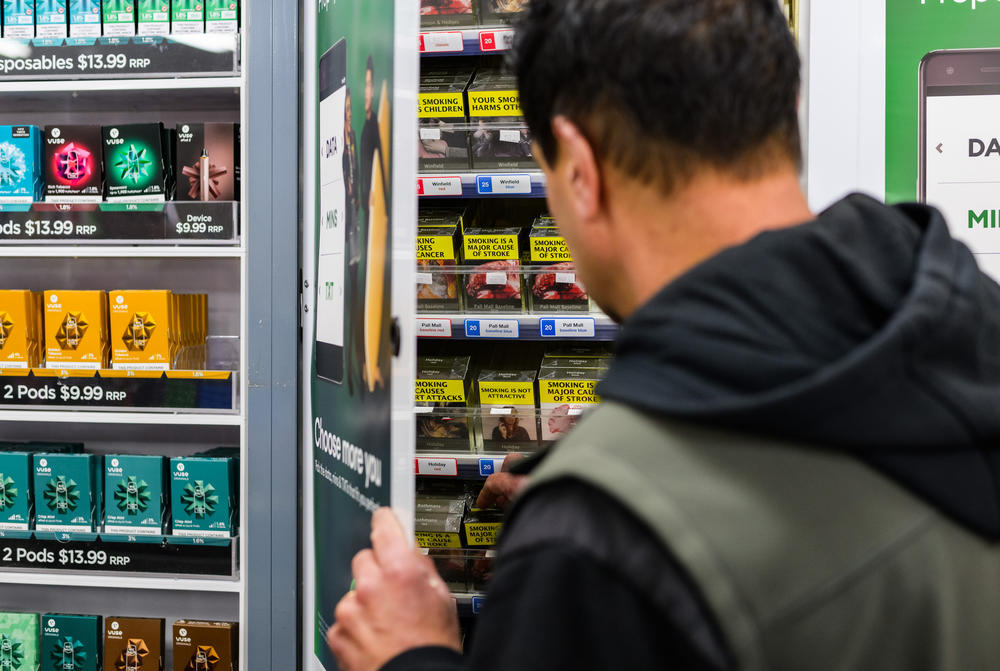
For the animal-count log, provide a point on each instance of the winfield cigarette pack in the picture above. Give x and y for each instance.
(133, 644)
(67, 490)
(135, 494)
(507, 402)
(499, 137)
(21, 335)
(442, 398)
(71, 642)
(208, 646)
(76, 329)
(19, 644)
(444, 137)
(73, 165)
(496, 284)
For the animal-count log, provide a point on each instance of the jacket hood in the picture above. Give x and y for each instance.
(868, 330)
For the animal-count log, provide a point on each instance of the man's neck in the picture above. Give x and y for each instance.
(669, 236)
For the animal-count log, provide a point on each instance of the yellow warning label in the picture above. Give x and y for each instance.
(494, 103)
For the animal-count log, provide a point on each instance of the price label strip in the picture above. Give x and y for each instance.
(98, 58)
(100, 555)
(175, 223)
(119, 390)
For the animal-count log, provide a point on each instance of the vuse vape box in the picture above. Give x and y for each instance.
(154, 17)
(67, 491)
(19, 18)
(133, 644)
(119, 17)
(135, 494)
(21, 171)
(73, 164)
(208, 161)
(212, 646)
(187, 16)
(71, 642)
(19, 641)
(84, 18)
(50, 18)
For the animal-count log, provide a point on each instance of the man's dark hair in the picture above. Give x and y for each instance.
(370, 65)
(662, 88)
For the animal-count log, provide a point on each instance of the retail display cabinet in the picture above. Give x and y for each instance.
(148, 266)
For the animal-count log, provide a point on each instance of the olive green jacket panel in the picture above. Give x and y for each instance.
(808, 558)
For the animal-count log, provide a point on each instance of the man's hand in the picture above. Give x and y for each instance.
(399, 603)
(501, 488)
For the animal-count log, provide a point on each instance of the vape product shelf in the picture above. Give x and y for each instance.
(118, 390)
(466, 42)
(523, 184)
(498, 326)
(170, 223)
(117, 581)
(163, 418)
(119, 57)
(92, 553)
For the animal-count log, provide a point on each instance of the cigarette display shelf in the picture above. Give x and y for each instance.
(176, 56)
(469, 603)
(482, 184)
(480, 41)
(191, 228)
(58, 554)
(471, 466)
(499, 326)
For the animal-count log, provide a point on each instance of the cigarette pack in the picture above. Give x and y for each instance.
(507, 402)
(493, 12)
(553, 283)
(496, 284)
(437, 280)
(444, 137)
(499, 137)
(439, 13)
(564, 394)
(442, 400)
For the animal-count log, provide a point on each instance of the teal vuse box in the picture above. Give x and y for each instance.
(71, 643)
(67, 490)
(134, 494)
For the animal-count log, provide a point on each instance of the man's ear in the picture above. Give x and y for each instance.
(579, 168)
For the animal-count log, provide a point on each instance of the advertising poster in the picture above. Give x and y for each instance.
(942, 102)
(352, 204)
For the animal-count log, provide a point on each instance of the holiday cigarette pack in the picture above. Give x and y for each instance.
(507, 400)
(67, 490)
(135, 494)
(443, 383)
(51, 19)
(19, 18)
(437, 280)
(553, 283)
(222, 16)
(73, 169)
(133, 644)
(118, 17)
(208, 161)
(202, 496)
(76, 329)
(71, 642)
(500, 11)
(212, 646)
(19, 642)
(21, 334)
(563, 395)
(133, 162)
(15, 490)
(187, 16)
(21, 171)
(85, 18)
(444, 138)
(496, 284)
(438, 13)
(154, 17)
(499, 137)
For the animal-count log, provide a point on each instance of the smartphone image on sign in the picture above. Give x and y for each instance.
(331, 224)
(960, 143)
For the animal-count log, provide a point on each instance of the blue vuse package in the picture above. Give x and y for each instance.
(51, 19)
(21, 170)
(19, 18)
(85, 18)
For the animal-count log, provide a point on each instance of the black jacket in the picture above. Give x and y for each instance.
(869, 330)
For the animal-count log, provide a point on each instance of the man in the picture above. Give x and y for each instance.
(371, 143)
(796, 465)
